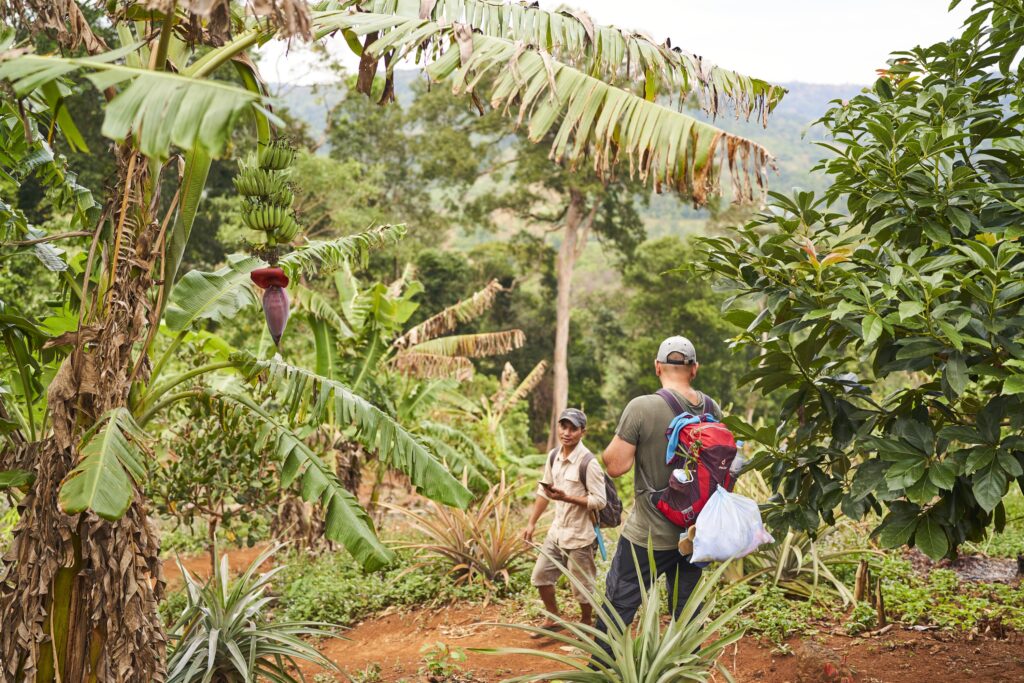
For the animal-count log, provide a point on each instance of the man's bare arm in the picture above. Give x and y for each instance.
(618, 457)
(538, 509)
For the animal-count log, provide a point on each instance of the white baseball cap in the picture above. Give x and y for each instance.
(680, 345)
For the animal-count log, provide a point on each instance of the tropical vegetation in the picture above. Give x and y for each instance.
(225, 324)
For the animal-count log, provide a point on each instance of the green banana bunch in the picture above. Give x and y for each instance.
(263, 180)
(256, 182)
(265, 217)
(288, 231)
(276, 155)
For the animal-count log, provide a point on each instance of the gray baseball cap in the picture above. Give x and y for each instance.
(575, 416)
(680, 345)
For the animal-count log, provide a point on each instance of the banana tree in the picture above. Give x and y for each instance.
(365, 340)
(78, 600)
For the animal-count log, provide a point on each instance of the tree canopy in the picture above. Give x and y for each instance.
(888, 314)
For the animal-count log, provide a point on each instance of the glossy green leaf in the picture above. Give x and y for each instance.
(908, 309)
(1013, 385)
(872, 328)
(989, 486)
(930, 538)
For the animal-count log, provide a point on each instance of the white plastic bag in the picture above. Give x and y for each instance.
(729, 526)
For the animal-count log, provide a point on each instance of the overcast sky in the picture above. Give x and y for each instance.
(813, 41)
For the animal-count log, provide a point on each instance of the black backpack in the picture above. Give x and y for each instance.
(611, 514)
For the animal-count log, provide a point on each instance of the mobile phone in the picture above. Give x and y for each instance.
(547, 485)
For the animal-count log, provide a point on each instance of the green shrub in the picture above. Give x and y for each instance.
(773, 616)
(333, 588)
(864, 617)
(241, 531)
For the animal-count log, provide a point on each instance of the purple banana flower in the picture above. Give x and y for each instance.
(275, 309)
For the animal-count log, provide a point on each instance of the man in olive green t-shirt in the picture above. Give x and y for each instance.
(640, 440)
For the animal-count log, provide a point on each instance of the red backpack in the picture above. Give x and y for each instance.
(700, 453)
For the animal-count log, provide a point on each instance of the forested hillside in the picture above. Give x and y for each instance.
(786, 137)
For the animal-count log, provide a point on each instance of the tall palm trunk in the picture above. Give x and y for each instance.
(578, 221)
(78, 599)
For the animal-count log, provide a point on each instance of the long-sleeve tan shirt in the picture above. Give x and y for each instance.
(573, 526)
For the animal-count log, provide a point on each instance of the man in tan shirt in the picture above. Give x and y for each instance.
(575, 481)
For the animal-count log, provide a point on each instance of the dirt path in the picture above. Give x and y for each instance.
(393, 642)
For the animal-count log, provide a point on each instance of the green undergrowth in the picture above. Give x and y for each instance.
(332, 588)
(942, 599)
(185, 540)
(775, 617)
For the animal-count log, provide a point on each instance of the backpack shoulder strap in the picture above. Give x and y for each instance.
(671, 400)
(584, 464)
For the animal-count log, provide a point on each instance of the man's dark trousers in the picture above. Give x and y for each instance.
(622, 587)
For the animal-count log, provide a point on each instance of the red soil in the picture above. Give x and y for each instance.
(394, 641)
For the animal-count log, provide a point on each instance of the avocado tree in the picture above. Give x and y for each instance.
(888, 314)
(82, 578)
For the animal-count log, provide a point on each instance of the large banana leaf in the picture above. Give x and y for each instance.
(109, 460)
(221, 294)
(619, 57)
(314, 399)
(345, 520)
(608, 125)
(457, 461)
(212, 296)
(459, 439)
(590, 118)
(330, 255)
(325, 343)
(160, 107)
(322, 310)
(447, 320)
(432, 366)
(480, 345)
(197, 168)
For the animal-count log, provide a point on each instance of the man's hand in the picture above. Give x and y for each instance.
(528, 533)
(555, 494)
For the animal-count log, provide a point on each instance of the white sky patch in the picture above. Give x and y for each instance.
(813, 41)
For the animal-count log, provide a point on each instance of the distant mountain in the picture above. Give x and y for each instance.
(789, 136)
